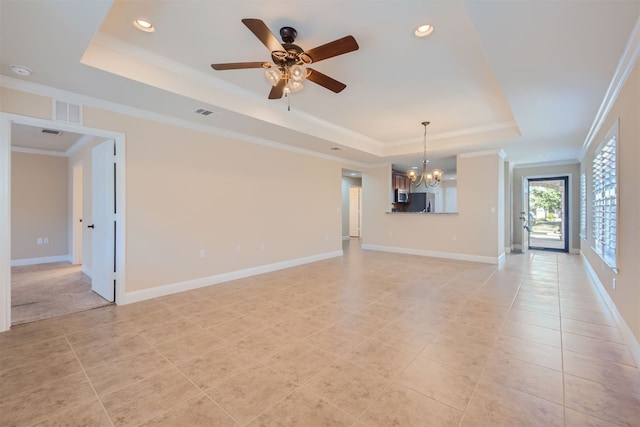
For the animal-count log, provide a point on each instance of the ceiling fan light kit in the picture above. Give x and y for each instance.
(288, 69)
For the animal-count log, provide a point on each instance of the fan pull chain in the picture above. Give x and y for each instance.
(288, 102)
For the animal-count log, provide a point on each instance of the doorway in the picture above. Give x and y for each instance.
(76, 198)
(548, 213)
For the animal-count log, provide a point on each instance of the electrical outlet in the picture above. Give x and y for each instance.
(203, 253)
(262, 246)
(39, 240)
(454, 237)
(614, 283)
(45, 240)
(238, 249)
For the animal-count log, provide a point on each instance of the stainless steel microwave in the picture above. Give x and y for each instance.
(401, 196)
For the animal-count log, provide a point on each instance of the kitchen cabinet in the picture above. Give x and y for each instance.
(400, 181)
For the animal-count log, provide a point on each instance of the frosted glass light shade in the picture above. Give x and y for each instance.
(298, 73)
(294, 86)
(273, 75)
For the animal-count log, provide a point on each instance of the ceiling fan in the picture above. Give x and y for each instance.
(289, 66)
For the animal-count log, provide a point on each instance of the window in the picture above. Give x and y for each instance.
(605, 199)
(583, 206)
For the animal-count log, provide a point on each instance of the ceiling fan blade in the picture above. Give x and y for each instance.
(325, 81)
(237, 65)
(277, 90)
(337, 47)
(263, 33)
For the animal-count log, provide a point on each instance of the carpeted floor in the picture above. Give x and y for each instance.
(48, 290)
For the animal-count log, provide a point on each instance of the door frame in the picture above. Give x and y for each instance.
(6, 119)
(565, 208)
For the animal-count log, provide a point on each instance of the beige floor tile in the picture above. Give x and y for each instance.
(597, 348)
(213, 368)
(379, 358)
(198, 411)
(596, 306)
(90, 414)
(264, 343)
(35, 374)
(303, 408)
(592, 330)
(348, 387)
(33, 352)
(578, 419)
(42, 402)
(189, 346)
(111, 350)
(403, 337)
(299, 362)
(335, 340)
(537, 319)
(111, 376)
(594, 399)
(301, 325)
(588, 316)
(457, 354)
(235, 329)
(532, 333)
(214, 317)
(148, 398)
(366, 325)
(551, 309)
(526, 377)
(617, 377)
(176, 327)
(401, 406)
(250, 392)
(494, 405)
(529, 351)
(444, 383)
(31, 333)
(201, 305)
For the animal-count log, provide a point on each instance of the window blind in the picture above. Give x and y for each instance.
(605, 202)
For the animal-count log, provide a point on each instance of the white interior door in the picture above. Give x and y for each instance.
(354, 211)
(103, 219)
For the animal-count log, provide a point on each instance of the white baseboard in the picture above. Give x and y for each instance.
(507, 249)
(575, 251)
(145, 294)
(516, 248)
(41, 260)
(631, 340)
(345, 237)
(435, 254)
(502, 258)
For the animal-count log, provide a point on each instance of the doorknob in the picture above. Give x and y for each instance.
(91, 226)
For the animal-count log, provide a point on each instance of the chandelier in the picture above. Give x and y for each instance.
(432, 179)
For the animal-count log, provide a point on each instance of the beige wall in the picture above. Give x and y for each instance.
(187, 191)
(626, 296)
(25, 104)
(475, 227)
(39, 205)
(573, 170)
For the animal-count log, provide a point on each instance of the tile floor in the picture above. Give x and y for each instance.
(371, 339)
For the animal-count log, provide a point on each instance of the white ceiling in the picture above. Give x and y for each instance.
(525, 76)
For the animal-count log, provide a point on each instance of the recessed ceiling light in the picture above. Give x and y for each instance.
(414, 167)
(143, 25)
(21, 70)
(424, 30)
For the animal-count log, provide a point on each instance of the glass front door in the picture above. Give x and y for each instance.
(548, 213)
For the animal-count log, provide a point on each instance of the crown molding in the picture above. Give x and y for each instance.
(566, 162)
(498, 152)
(625, 66)
(39, 151)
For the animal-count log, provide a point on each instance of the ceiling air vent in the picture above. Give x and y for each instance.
(203, 111)
(52, 131)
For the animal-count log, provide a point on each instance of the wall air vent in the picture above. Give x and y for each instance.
(203, 112)
(52, 131)
(67, 112)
